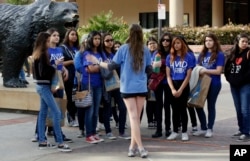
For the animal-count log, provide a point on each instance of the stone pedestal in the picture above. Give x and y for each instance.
(19, 98)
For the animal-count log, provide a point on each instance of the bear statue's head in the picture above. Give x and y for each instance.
(60, 15)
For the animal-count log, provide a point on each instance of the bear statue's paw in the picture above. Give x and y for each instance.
(15, 83)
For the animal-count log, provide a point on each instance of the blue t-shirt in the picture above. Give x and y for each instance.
(55, 54)
(78, 61)
(131, 81)
(193, 58)
(179, 68)
(95, 78)
(107, 57)
(216, 79)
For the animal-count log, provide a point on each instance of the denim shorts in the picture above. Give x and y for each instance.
(129, 95)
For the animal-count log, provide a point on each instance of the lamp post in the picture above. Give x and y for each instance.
(159, 20)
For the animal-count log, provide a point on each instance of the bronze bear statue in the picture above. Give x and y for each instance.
(20, 25)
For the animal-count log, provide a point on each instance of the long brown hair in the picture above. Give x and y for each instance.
(173, 52)
(215, 49)
(40, 46)
(66, 38)
(135, 42)
(236, 48)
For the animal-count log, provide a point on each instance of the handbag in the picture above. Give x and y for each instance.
(198, 94)
(154, 80)
(83, 99)
(106, 73)
(61, 103)
(57, 81)
(113, 83)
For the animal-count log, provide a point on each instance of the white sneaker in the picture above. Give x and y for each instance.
(184, 137)
(209, 133)
(172, 136)
(194, 129)
(101, 126)
(75, 123)
(200, 132)
(110, 136)
(71, 123)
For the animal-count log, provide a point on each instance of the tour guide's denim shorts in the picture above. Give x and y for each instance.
(129, 95)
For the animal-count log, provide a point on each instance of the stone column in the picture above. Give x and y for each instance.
(175, 13)
(217, 13)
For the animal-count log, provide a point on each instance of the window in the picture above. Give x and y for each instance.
(150, 20)
(203, 12)
(237, 11)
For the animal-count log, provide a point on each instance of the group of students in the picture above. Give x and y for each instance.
(71, 56)
(102, 47)
(135, 62)
(177, 62)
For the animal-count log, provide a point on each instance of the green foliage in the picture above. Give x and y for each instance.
(195, 35)
(19, 2)
(104, 22)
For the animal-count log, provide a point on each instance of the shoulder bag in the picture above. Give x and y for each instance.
(83, 99)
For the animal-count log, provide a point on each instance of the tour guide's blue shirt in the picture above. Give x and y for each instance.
(216, 79)
(179, 68)
(132, 82)
(95, 78)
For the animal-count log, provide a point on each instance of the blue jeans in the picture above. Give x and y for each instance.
(241, 97)
(212, 96)
(47, 101)
(91, 113)
(22, 75)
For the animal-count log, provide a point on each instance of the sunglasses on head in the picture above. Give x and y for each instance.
(109, 40)
(168, 40)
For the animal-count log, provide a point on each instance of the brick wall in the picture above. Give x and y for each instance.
(198, 48)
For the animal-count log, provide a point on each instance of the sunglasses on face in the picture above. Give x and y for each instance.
(167, 40)
(109, 40)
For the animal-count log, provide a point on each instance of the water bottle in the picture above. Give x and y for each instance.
(157, 59)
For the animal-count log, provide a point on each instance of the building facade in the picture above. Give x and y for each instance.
(178, 12)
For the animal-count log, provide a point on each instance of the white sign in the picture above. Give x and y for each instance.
(161, 11)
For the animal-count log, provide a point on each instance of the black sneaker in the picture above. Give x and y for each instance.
(157, 135)
(244, 137)
(168, 133)
(42, 146)
(64, 148)
(237, 134)
(68, 140)
(50, 133)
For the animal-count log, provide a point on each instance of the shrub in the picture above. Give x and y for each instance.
(104, 22)
(19, 2)
(194, 35)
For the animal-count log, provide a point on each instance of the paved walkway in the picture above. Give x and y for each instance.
(16, 130)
